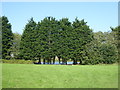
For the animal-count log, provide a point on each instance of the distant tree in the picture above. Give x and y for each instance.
(27, 41)
(101, 49)
(16, 45)
(93, 54)
(108, 53)
(7, 37)
(116, 34)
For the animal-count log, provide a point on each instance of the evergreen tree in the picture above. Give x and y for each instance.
(81, 35)
(46, 36)
(27, 41)
(63, 40)
(7, 37)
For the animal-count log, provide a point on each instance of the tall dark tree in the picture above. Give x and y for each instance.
(63, 40)
(81, 35)
(27, 41)
(46, 36)
(7, 37)
(53, 32)
(38, 43)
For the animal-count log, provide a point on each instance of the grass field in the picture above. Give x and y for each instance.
(59, 76)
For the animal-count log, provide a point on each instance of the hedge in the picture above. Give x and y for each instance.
(18, 61)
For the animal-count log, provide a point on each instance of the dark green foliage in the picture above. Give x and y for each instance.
(27, 41)
(63, 39)
(68, 41)
(81, 35)
(7, 37)
(46, 38)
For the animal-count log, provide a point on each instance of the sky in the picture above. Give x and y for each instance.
(100, 16)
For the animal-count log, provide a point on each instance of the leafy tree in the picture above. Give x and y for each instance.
(7, 37)
(93, 54)
(16, 45)
(108, 53)
(101, 49)
(116, 34)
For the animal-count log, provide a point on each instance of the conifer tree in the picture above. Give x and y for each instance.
(81, 35)
(27, 41)
(63, 39)
(7, 37)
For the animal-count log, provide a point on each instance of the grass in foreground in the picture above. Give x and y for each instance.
(59, 76)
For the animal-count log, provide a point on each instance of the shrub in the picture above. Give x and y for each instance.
(18, 61)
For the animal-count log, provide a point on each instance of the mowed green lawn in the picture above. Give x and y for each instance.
(59, 76)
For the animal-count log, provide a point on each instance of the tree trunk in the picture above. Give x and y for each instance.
(66, 62)
(39, 61)
(80, 61)
(54, 60)
(59, 59)
(43, 61)
(74, 62)
(49, 60)
(62, 61)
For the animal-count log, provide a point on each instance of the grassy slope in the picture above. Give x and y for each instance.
(59, 76)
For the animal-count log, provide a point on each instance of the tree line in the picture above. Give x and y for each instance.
(50, 38)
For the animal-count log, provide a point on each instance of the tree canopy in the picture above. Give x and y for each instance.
(68, 41)
(50, 38)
